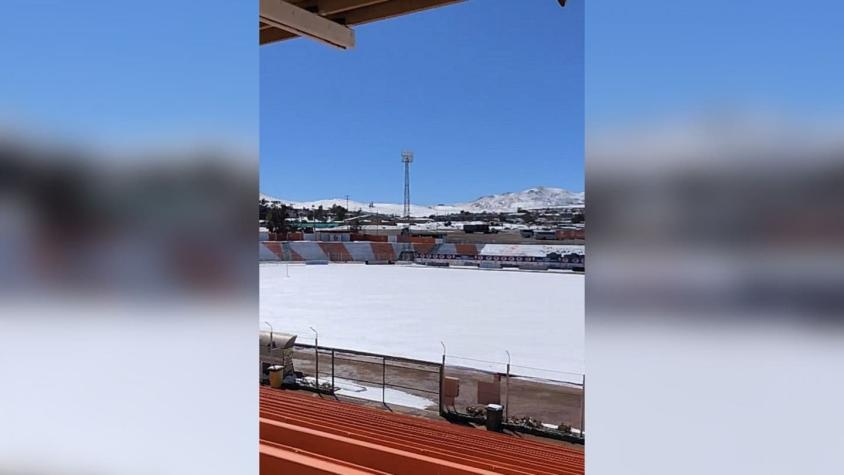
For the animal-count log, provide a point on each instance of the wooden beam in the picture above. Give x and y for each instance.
(271, 35)
(330, 7)
(293, 19)
(390, 9)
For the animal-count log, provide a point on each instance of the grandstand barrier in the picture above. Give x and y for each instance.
(534, 266)
(545, 403)
(437, 263)
(526, 256)
(542, 402)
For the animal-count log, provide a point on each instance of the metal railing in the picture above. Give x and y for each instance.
(361, 374)
(535, 398)
(541, 397)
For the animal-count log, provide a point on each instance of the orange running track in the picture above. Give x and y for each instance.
(303, 434)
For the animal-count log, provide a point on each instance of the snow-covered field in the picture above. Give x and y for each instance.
(407, 310)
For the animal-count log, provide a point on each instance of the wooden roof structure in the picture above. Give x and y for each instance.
(330, 21)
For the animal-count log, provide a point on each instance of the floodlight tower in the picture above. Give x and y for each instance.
(407, 159)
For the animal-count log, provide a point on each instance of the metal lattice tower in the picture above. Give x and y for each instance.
(407, 159)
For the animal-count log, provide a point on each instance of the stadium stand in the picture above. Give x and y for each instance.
(383, 251)
(467, 249)
(336, 251)
(310, 251)
(271, 251)
(360, 251)
(301, 433)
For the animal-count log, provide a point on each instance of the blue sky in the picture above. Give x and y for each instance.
(488, 95)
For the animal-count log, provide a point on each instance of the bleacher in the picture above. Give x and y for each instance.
(304, 434)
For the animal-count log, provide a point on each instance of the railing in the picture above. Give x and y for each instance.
(390, 380)
(536, 398)
(542, 401)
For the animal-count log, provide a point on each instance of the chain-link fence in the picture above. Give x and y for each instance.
(384, 379)
(531, 397)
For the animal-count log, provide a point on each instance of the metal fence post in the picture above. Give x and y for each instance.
(440, 388)
(583, 409)
(507, 388)
(442, 381)
(316, 356)
(384, 380)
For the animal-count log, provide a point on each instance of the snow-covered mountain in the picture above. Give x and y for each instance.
(532, 198)
(380, 208)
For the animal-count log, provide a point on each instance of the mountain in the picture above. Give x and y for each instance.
(532, 198)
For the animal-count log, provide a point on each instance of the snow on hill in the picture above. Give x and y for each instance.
(532, 198)
(380, 208)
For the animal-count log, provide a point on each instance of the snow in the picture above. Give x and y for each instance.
(574, 430)
(407, 310)
(532, 198)
(349, 388)
(534, 250)
(396, 209)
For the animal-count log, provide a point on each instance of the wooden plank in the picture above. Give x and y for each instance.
(272, 34)
(330, 7)
(390, 9)
(293, 19)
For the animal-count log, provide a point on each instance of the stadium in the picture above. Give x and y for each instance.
(433, 340)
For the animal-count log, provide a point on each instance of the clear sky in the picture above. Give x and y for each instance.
(488, 95)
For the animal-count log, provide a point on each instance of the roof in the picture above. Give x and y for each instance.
(345, 13)
(319, 226)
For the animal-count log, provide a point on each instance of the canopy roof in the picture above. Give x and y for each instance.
(329, 20)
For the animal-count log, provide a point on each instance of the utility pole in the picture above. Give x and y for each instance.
(407, 159)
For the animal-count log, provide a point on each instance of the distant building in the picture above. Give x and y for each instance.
(545, 234)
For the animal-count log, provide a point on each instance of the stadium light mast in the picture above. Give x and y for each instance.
(407, 159)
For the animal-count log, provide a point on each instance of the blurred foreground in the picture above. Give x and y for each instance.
(714, 297)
